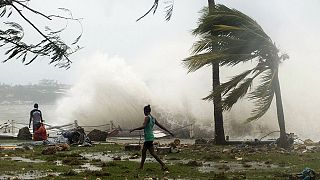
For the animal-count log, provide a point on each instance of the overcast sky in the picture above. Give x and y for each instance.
(154, 48)
(109, 27)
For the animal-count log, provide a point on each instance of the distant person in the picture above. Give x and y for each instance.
(147, 126)
(35, 117)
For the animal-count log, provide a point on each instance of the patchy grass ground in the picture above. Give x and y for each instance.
(220, 162)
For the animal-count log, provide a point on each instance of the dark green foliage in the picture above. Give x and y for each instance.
(51, 45)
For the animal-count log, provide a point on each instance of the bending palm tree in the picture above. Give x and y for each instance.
(229, 37)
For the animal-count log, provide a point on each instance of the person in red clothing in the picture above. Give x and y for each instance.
(40, 134)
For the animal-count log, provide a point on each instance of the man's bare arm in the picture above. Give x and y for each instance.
(162, 127)
(143, 126)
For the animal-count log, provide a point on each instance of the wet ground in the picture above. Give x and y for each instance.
(110, 161)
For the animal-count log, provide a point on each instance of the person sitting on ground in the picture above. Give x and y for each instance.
(147, 126)
(35, 117)
(40, 134)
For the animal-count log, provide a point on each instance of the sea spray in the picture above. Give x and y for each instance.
(107, 90)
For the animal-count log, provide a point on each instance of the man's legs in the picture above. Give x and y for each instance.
(151, 150)
(143, 156)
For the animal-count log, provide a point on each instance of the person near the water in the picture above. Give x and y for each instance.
(35, 117)
(149, 122)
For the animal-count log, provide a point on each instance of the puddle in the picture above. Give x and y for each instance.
(234, 166)
(88, 166)
(111, 157)
(204, 166)
(24, 159)
(30, 175)
(91, 167)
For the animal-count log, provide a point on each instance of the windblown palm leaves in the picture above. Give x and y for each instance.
(230, 37)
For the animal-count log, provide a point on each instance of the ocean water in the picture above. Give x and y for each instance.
(20, 114)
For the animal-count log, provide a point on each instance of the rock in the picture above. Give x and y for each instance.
(132, 147)
(63, 147)
(24, 134)
(200, 141)
(163, 150)
(226, 151)
(177, 142)
(117, 158)
(135, 156)
(97, 135)
(49, 150)
(246, 165)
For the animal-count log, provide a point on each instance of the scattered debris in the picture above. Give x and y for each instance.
(63, 147)
(77, 136)
(49, 150)
(163, 150)
(308, 142)
(307, 174)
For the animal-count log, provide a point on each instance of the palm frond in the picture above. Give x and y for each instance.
(227, 86)
(263, 96)
(208, 43)
(236, 94)
(196, 62)
(154, 7)
(169, 9)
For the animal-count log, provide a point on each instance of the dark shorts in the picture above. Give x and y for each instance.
(148, 144)
(36, 126)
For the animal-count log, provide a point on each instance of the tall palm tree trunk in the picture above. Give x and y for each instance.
(218, 118)
(283, 136)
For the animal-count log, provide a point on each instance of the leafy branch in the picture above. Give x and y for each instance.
(51, 44)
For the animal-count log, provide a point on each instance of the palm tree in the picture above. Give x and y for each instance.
(229, 37)
(217, 108)
(218, 117)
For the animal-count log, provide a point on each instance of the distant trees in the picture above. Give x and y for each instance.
(45, 92)
(51, 45)
(237, 38)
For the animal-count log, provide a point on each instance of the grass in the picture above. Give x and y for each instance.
(287, 162)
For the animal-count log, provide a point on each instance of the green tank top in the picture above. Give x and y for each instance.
(148, 130)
